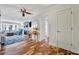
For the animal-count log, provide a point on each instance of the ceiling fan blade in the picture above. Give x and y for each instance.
(28, 13)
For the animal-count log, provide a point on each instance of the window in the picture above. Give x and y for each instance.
(46, 26)
(10, 27)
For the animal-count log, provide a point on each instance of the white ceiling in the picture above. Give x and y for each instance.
(11, 11)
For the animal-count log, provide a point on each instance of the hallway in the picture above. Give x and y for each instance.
(37, 29)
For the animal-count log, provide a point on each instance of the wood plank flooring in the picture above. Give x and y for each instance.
(31, 47)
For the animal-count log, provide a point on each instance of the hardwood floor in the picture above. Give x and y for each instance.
(11, 49)
(17, 48)
(32, 47)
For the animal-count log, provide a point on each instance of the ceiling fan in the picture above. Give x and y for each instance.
(24, 12)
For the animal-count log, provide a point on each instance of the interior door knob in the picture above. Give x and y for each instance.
(71, 44)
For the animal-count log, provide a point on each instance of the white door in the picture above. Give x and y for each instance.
(64, 28)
